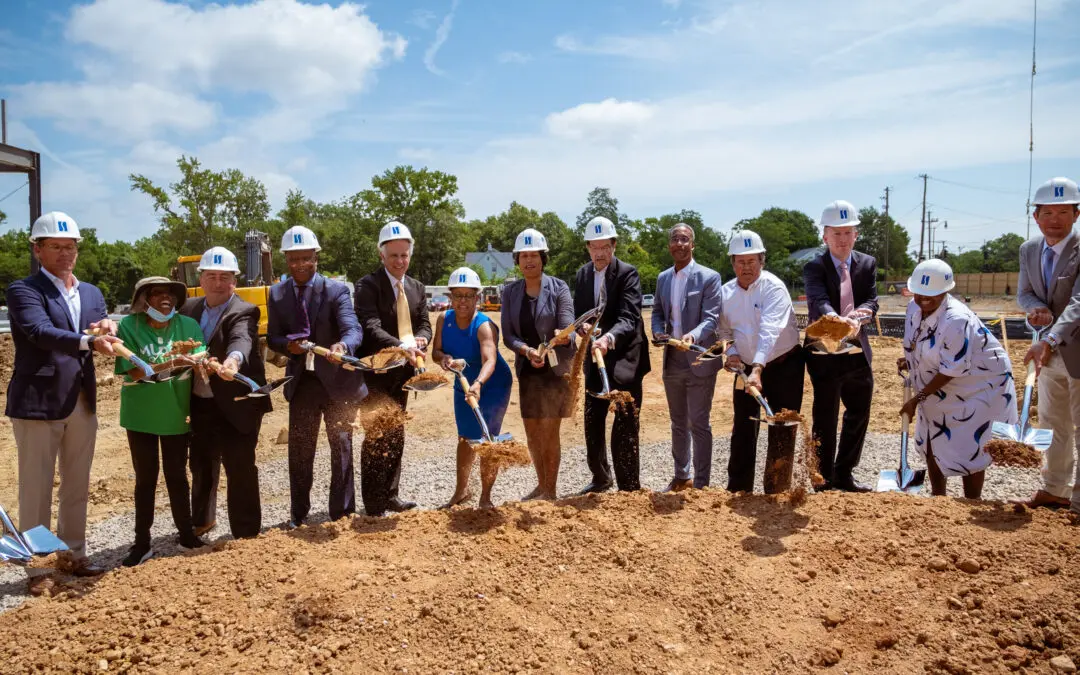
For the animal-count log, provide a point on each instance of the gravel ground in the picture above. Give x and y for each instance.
(430, 481)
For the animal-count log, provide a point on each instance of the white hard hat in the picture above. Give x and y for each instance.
(931, 277)
(1057, 191)
(839, 214)
(744, 242)
(464, 277)
(530, 240)
(394, 230)
(218, 259)
(600, 228)
(55, 224)
(299, 238)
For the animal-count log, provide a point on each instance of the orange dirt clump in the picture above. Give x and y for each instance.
(426, 377)
(830, 331)
(703, 581)
(576, 370)
(504, 454)
(183, 347)
(1013, 453)
(785, 416)
(380, 416)
(385, 356)
(624, 402)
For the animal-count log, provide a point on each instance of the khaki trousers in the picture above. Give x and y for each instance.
(1059, 409)
(40, 443)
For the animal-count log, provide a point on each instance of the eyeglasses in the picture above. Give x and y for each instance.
(463, 298)
(680, 239)
(61, 248)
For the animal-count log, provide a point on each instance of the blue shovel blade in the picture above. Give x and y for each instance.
(41, 541)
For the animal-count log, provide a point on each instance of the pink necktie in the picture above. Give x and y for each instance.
(847, 300)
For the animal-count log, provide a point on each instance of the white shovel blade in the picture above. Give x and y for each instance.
(1005, 431)
(888, 481)
(1039, 439)
(42, 542)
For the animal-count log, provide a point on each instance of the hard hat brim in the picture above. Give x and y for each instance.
(60, 235)
(838, 225)
(919, 289)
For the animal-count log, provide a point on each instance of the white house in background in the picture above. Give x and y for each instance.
(496, 264)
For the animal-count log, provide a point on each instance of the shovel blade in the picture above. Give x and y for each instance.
(501, 438)
(888, 481)
(11, 551)
(1039, 439)
(1005, 431)
(42, 542)
(912, 479)
(424, 385)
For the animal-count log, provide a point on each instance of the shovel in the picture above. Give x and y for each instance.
(903, 479)
(565, 333)
(344, 360)
(458, 366)
(19, 548)
(1038, 439)
(598, 359)
(756, 393)
(257, 391)
(704, 353)
(126, 353)
(423, 380)
(846, 345)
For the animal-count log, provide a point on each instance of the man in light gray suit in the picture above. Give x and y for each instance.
(687, 307)
(1049, 291)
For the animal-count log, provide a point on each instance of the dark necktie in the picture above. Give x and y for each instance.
(303, 321)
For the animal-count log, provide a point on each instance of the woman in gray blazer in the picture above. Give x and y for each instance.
(534, 308)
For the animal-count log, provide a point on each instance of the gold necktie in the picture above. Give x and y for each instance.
(404, 319)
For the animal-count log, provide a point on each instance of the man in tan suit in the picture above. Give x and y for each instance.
(1050, 293)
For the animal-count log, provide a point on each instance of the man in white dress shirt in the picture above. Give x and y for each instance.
(756, 312)
(687, 308)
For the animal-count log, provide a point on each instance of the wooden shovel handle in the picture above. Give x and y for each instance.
(420, 363)
(473, 403)
(1029, 381)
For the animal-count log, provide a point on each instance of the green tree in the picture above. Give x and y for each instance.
(14, 255)
(879, 234)
(1003, 253)
(968, 262)
(783, 231)
(425, 201)
(602, 203)
(205, 208)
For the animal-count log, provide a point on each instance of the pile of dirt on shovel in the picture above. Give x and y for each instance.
(1013, 453)
(698, 581)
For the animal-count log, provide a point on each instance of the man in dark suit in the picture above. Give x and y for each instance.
(223, 429)
(841, 282)
(626, 356)
(308, 306)
(392, 309)
(52, 395)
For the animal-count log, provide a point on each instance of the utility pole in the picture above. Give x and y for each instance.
(922, 230)
(930, 220)
(887, 232)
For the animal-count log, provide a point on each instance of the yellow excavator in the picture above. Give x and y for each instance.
(256, 279)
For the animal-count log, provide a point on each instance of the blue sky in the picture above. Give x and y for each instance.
(723, 106)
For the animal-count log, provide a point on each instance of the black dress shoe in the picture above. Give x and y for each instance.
(88, 569)
(397, 505)
(852, 485)
(595, 487)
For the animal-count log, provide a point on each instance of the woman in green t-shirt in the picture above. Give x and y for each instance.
(156, 413)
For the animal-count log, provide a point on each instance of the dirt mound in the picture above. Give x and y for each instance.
(1012, 453)
(690, 582)
(830, 331)
(505, 454)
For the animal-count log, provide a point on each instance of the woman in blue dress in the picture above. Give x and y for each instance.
(463, 333)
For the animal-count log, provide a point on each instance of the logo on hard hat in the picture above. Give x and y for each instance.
(395, 229)
(843, 214)
(599, 228)
(1059, 190)
(461, 278)
(298, 238)
(61, 226)
(948, 276)
(746, 242)
(925, 279)
(528, 241)
(217, 258)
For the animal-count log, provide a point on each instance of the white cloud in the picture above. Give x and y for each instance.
(423, 18)
(514, 57)
(442, 34)
(127, 111)
(421, 155)
(607, 120)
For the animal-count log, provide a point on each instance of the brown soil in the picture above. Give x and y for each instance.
(1013, 453)
(785, 416)
(183, 347)
(504, 454)
(575, 375)
(624, 402)
(698, 581)
(379, 415)
(831, 331)
(426, 379)
(384, 356)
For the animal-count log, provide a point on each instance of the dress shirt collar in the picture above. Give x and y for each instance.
(60, 284)
(837, 261)
(684, 272)
(1058, 248)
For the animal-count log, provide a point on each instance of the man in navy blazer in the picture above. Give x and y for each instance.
(308, 306)
(841, 282)
(52, 395)
(687, 307)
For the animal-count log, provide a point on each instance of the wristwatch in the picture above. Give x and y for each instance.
(90, 342)
(1053, 341)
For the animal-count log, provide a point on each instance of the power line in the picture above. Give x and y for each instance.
(14, 191)
(976, 187)
(979, 215)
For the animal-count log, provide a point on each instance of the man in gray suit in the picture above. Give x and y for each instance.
(687, 307)
(1050, 293)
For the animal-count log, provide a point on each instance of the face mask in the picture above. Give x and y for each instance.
(158, 316)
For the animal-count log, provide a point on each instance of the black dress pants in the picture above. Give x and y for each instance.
(380, 463)
(310, 405)
(782, 387)
(848, 379)
(215, 441)
(624, 441)
(144, 459)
